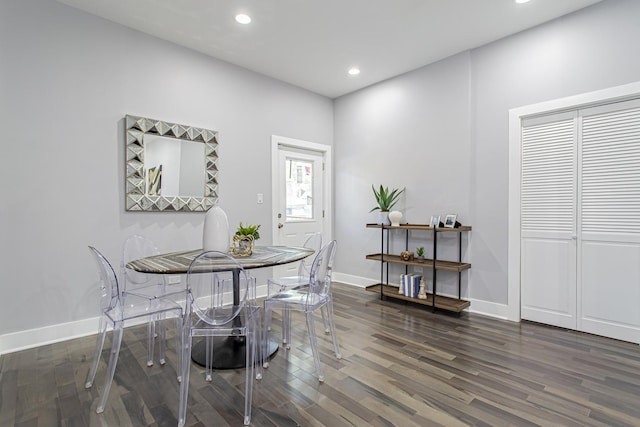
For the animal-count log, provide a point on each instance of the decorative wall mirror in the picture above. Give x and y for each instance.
(169, 167)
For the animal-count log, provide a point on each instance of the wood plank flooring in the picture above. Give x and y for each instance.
(402, 366)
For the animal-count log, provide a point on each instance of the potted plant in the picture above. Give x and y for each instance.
(244, 238)
(420, 253)
(386, 200)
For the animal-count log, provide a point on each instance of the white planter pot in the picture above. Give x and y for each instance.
(383, 218)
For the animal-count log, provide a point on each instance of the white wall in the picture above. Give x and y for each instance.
(462, 104)
(67, 79)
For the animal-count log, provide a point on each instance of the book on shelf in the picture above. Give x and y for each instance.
(410, 285)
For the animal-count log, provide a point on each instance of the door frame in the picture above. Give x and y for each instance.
(614, 94)
(325, 151)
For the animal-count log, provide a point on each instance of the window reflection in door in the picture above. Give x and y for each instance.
(299, 191)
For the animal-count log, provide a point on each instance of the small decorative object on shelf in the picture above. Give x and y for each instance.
(386, 200)
(435, 221)
(244, 238)
(420, 253)
(422, 294)
(395, 217)
(450, 221)
(406, 255)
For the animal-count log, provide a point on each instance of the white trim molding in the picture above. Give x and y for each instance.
(326, 152)
(30, 338)
(516, 115)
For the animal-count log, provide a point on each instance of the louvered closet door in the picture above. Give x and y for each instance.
(548, 212)
(609, 244)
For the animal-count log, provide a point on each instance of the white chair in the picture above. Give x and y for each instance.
(308, 299)
(220, 305)
(116, 309)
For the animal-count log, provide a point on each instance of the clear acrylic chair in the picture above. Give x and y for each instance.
(116, 309)
(221, 305)
(306, 299)
(149, 286)
(278, 284)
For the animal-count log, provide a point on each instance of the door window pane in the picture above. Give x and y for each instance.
(299, 194)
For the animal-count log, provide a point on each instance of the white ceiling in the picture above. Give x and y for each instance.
(312, 43)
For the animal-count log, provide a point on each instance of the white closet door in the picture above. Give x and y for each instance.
(609, 251)
(548, 227)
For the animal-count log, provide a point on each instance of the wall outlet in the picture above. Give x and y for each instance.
(260, 198)
(173, 279)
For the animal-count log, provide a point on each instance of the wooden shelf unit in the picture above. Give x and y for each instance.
(435, 264)
(444, 303)
(426, 263)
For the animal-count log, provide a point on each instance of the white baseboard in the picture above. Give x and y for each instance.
(30, 338)
(349, 279)
(488, 308)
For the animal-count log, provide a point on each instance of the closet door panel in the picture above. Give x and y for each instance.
(548, 281)
(610, 295)
(548, 200)
(609, 262)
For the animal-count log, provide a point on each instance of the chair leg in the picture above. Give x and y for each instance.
(332, 327)
(286, 327)
(258, 338)
(208, 370)
(111, 369)
(151, 333)
(162, 337)
(327, 328)
(286, 313)
(179, 347)
(314, 344)
(266, 335)
(102, 333)
(185, 348)
(250, 353)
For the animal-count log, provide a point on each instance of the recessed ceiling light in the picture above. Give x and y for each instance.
(354, 71)
(241, 18)
(522, 1)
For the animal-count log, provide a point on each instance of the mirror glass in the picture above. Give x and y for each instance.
(170, 167)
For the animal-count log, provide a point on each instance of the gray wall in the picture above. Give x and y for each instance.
(442, 131)
(67, 79)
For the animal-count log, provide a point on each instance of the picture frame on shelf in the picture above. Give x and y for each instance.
(450, 221)
(435, 221)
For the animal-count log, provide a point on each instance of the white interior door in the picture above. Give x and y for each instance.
(609, 295)
(300, 195)
(580, 220)
(548, 226)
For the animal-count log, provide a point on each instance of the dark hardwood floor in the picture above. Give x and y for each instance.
(402, 366)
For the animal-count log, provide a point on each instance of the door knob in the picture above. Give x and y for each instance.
(280, 225)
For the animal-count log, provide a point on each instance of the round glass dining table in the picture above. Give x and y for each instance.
(228, 353)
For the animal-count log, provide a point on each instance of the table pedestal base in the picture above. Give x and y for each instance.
(228, 352)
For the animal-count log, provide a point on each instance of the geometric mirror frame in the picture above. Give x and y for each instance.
(142, 183)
